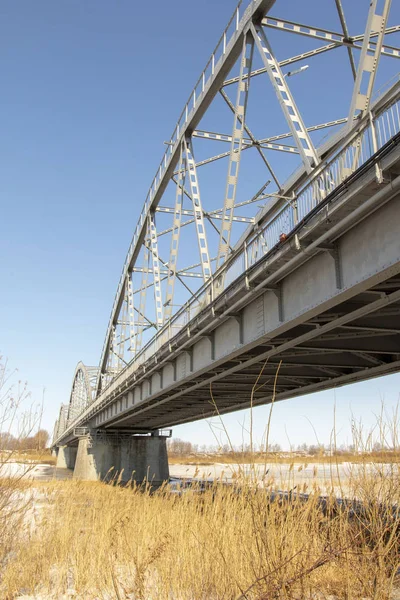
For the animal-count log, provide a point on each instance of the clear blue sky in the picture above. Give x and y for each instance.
(90, 90)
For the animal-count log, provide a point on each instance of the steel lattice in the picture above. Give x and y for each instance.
(230, 230)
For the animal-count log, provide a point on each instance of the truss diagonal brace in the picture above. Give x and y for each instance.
(198, 209)
(286, 100)
(256, 144)
(343, 23)
(236, 148)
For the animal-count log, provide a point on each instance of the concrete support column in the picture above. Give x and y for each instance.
(144, 458)
(93, 460)
(126, 457)
(66, 457)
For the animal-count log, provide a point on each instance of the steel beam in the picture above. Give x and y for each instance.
(131, 315)
(213, 214)
(292, 115)
(246, 144)
(368, 64)
(236, 149)
(307, 31)
(176, 229)
(156, 272)
(343, 23)
(291, 344)
(122, 325)
(183, 273)
(143, 291)
(253, 139)
(198, 210)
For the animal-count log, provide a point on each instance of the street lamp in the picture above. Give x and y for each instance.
(290, 73)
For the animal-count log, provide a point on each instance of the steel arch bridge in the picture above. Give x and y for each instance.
(221, 202)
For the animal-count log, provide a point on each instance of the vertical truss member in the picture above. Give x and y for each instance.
(292, 114)
(198, 209)
(113, 356)
(369, 60)
(131, 314)
(366, 74)
(156, 271)
(143, 291)
(176, 230)
(236, 148)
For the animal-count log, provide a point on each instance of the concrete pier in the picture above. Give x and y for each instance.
(122, 456)
(66, 457)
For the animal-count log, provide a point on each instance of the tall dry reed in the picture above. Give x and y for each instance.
(225, 542)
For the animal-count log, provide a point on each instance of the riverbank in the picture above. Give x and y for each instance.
(93, 541)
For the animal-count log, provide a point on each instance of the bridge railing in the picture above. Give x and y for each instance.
(362, 145)
(356, 148)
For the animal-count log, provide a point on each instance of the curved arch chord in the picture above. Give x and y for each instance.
(82, 391)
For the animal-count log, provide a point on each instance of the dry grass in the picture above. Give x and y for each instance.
(219, 544)
(29, 457)
(35, 456)
(94, 541)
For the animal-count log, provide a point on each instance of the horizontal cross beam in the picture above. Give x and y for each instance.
(340, 40)
(183, 273)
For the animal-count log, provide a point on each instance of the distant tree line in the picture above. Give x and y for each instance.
(38, 441)
(178, 447)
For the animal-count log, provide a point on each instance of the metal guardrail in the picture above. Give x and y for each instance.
(361, 144)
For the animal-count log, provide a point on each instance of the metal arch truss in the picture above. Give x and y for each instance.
(83, 393)
(191, 224)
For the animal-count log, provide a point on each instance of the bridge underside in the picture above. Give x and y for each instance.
(364, 347)
(321, 310)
